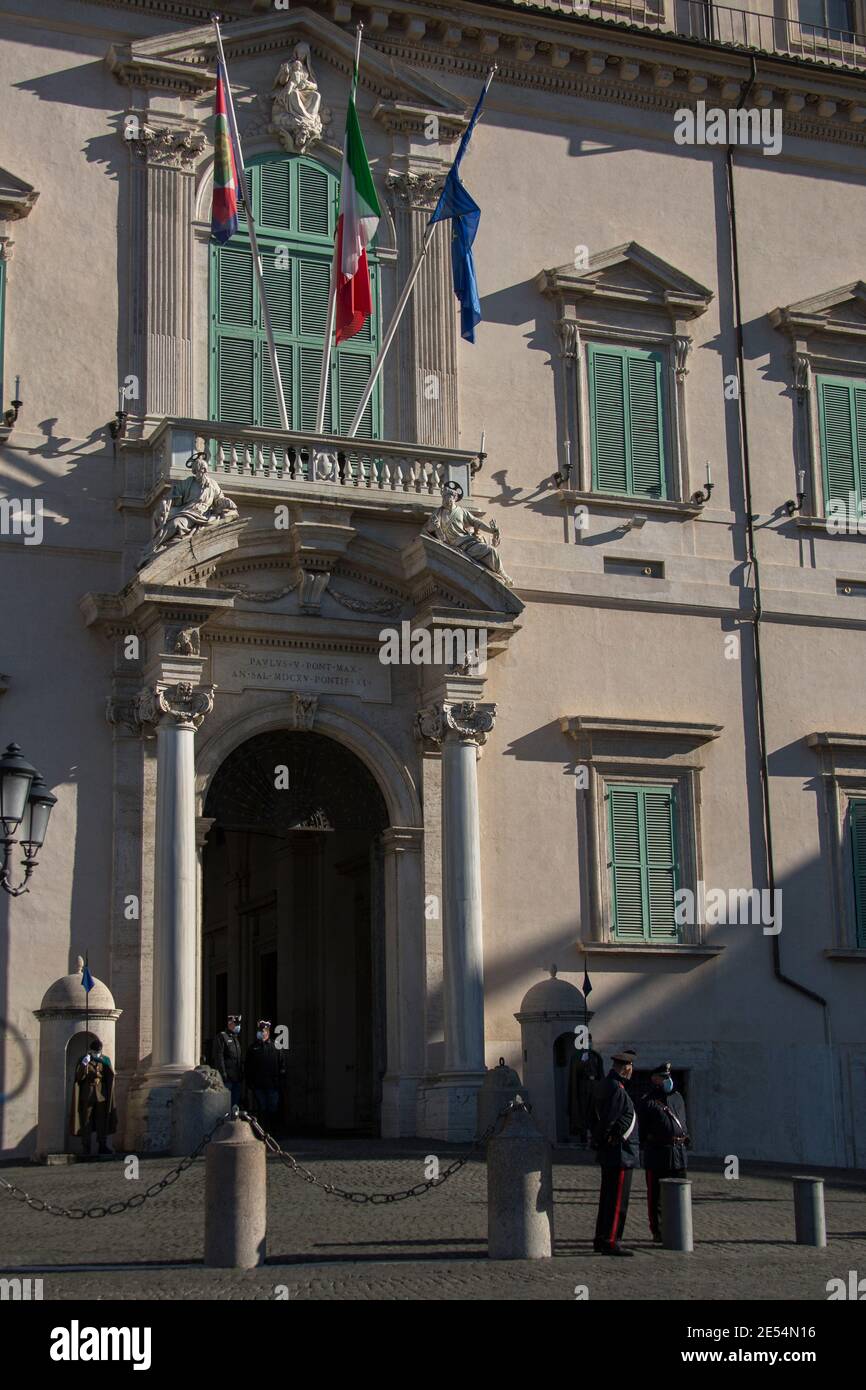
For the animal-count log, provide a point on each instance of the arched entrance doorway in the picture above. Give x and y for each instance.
(293, 920)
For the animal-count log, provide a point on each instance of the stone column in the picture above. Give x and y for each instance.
(427, 342)
(161, 217)
(460, 728)
(404, 985)
(176, 711)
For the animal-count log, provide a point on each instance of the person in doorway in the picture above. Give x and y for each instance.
(93, 1105)
(615, 1141)
(585, 1072)
(228, 1059)
(265, 1070)
(663, 1139)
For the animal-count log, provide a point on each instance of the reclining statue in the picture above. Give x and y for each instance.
(197, 501)
(456, 526)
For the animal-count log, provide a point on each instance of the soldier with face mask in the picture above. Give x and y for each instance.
(265, 1073)
(227, 1057)
(663, 1139)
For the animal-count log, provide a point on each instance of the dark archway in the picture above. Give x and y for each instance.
(293, 920)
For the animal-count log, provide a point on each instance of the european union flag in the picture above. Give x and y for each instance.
(459, 205)
(87, 979)
(587, 985)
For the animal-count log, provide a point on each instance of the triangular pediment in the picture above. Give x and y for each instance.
(628, 275)
(836, 313)
(16, 197)
(186, 61)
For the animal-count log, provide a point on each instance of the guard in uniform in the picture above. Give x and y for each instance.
(93, 1105)
(227, 1057)
(585, 1073)
(265, 1073)
(616, 1143)
(663, 1139)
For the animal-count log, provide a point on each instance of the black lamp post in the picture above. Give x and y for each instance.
(25, 807)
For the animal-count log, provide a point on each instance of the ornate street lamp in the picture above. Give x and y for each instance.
(25, 807)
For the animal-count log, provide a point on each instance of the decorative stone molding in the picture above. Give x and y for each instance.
(842, 761)
(802, 365)
(682, 348)
(416, 190)
(384, 606)
(470, 721)
(302, 711)
(185, 703)
(183, 641)
(569, 335)
(172, 146)
(121, 712)
(16, 197)
(609, 279)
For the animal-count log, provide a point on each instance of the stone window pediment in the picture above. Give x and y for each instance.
(632, 300)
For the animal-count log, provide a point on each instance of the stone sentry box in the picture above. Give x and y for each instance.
(549, 1009)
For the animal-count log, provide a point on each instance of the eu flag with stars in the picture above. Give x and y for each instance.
(87, 979)
(459, 205)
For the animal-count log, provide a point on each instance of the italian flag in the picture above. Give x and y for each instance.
(359, 218)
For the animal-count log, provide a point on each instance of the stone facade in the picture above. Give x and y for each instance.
(628, 646)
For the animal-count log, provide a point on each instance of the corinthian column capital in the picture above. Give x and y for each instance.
(466, 720)
(183, 704)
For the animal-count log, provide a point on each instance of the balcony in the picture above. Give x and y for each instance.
(247, 460)
(748, 30)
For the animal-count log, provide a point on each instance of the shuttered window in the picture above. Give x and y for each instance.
(842, 418)
(857, 815)
(626, 421)
(295, 202)
(642, 861)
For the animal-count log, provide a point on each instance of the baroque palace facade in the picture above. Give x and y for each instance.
(663, 412)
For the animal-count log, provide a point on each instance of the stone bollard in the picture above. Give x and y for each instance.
(809, 1222)
(198, 1102)
(519, 1190)
(676, 1214)
(235, 1210)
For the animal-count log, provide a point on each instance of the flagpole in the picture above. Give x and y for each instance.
(400, 306)
(254, 245)
(332, 287)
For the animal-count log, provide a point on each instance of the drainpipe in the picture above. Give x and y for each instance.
(757, 615)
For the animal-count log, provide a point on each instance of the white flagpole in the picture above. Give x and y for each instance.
(400, 306)
(254, 245)
(332, 287)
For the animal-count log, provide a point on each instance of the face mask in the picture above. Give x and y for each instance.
(668, 1085)
(260, 1035)
(235, 1028)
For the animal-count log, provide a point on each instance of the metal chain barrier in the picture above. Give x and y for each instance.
(378, 1198)
(78, 1213)
(288, 1160)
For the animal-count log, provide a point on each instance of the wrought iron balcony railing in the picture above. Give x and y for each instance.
(255, 459)
(735, 28)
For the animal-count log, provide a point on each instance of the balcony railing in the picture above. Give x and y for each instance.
(723, 24)
(263, 459)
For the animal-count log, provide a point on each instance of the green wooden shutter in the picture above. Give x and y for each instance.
(838, 438)
(642, 846)
(645, 426)
(626, 421)
(858, 856)
(295, 204)
(607, 410)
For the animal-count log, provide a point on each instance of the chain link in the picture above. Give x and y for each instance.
(420, 1189)
(381, 1198)
(137, 1200)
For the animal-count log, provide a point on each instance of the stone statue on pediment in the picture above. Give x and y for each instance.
(297, 116)
(195, 502)
(458, 527)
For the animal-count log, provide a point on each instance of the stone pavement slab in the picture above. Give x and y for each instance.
(429, 1247)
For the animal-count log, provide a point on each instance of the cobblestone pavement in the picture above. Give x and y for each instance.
(431, 1247)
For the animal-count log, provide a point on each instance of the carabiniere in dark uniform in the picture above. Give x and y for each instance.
(663, 1139)
(615, 1139)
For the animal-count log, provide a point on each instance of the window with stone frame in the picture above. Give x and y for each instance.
(639, 797)
(622, 320)
(295, 203)
(842, 782)
(828, 390)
